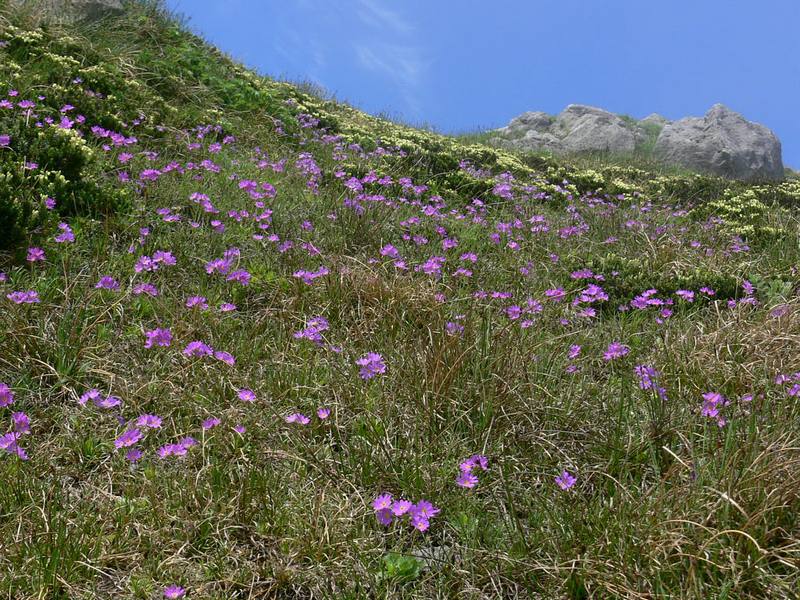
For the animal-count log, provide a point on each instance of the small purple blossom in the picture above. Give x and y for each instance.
(29, 297)
(174, 591)
(197, 301)
(210, 423)
(158, 337)
(66, 236)
(35, 254)
(129, 438)
(107, 283)
(151, 421)
(198, 349)
(371, 365)
(246, 395)
(20, 422)
(6, 395)
(615, 350)
(298, 418)
(225, 357)
(565, 480)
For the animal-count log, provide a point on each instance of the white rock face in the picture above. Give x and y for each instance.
(723, 143)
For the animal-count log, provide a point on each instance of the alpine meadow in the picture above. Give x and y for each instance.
(255, 343)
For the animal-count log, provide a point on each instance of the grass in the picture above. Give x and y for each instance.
(668, 502)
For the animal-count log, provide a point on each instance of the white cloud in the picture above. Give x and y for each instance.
(390, 48)
(375, 14)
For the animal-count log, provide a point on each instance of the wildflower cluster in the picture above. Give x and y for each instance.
(387, 510)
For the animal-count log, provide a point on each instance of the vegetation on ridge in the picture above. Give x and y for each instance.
(256, 343)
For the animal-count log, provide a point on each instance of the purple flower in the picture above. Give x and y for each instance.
(371, 364)
(424, 509)
(227, 307)
(476, 460)
(240, 276)
(225, 357)
(107, 283)
(298, 418)
(129, 438)
(210, 423)
(66, 236)
(6, 395)
(158, 337)
(419, 522)
(134, 455)
(308, 277)
(8, 442)
(20, 422)
(401, 507)
(199, 301)
(198, 349)
(174, 591)
(323, 413)
(382, 501)
(218, 265)
(152, 421)
(615, 350)
(35, 254)
(565, 480)
(467, 480)
(313, 331)
(145, 288)
(246, 395)
(713, 402)
(5, 140)
(29, 297)
(179, 449)
(108, 402)
(574, 351)
(93, 395)
(453, 328)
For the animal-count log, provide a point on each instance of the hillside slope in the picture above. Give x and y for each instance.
(259, 344)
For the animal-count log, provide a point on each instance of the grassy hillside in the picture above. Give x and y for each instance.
(257, 344)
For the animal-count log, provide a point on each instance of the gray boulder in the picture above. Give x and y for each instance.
(722, 143)
(65, 11)
(97, 9)
(577, 128)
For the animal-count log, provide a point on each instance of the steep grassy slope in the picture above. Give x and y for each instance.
(234, 317)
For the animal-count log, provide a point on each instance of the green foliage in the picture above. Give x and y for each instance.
(401, 568)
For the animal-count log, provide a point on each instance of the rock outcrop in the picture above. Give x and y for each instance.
(722, 143)
(74, 10)
(577, 128)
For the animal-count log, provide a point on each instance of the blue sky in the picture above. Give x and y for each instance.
(461, 65)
